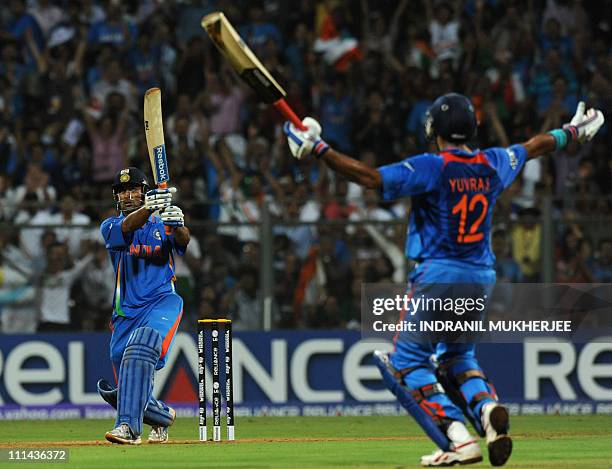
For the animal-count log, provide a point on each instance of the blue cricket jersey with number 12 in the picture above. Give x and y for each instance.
(453, 194)
(143, 262)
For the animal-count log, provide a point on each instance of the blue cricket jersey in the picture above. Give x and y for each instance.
(143, 262)
(453, 194)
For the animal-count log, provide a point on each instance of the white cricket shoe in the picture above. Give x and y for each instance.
(496, 423)
(158, 435)
(123, 435)
(465, 449)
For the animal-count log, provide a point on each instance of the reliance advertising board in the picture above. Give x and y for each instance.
(292, 373)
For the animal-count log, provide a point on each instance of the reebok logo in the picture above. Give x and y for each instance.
(160, 163)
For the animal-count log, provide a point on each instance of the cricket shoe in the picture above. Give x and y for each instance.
(465, 449)
(496, 423)
(123, 435)
(158, 435)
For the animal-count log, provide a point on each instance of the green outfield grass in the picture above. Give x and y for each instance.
(312, 442)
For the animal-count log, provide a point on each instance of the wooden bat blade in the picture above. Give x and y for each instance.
(154, 132)
(242, 59)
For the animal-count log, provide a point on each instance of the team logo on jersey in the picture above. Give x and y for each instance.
(157, 235)
(512, 158)
(146, 251)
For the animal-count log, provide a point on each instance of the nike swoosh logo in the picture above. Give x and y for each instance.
(409, 166)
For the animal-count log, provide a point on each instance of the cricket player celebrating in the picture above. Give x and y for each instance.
(147, 311)
(453, 194)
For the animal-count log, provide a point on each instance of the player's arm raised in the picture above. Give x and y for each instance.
(135, 220)
(155, 199)
(582, 128)
(306, 143)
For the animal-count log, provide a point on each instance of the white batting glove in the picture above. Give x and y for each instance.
(303, 143)
(584, 126)
(173, 216)
(159, 199)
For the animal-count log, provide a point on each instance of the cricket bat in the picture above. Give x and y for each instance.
(247, 65)
(154, 132)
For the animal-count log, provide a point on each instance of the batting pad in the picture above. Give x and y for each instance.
(136, 376)
(157, 413)
(408, 402)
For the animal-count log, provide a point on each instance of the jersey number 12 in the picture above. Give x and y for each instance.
(464, 207)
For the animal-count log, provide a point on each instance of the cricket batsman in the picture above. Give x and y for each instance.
(453, 193)
(147, 310)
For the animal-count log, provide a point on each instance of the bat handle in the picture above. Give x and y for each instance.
(282, 107)
(164, 185)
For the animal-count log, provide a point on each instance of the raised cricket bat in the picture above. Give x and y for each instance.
(154, 132)
(247, 65)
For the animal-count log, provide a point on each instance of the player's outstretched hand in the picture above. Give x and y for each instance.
(303, 143)
(584, 125)
(173, 216)
(158, 199)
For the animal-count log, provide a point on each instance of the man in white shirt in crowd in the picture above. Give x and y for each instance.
(371, 211)
(97, 288)
(70, 234)
(36, 182)
(444, 24)
(32, 199)
(55, 284)
(17, 294)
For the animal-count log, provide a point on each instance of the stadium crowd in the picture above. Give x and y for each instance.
(73, 74)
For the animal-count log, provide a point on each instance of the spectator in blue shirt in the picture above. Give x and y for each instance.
(336, 110)
(144, 59)
(415, 124)
(601, 266)
(12, 72)
(506, 267)
(113, 30)
(258, 32)
(296, 52)
(542, 83)
(22, 21)
(551, 38)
